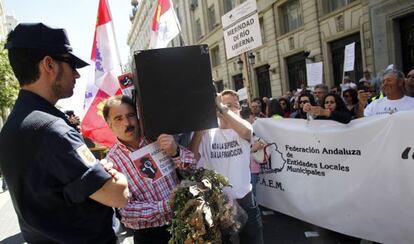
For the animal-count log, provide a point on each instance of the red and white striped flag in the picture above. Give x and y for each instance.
(165, 24)
(106, 65)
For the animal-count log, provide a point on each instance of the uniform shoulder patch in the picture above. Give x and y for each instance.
(86, 155)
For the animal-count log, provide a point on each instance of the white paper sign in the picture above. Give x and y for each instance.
(354, 178)
(242, 94)
(241, 29)
(314, 73)
(151, 162)
(349, 57)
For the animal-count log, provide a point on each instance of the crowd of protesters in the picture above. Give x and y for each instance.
(63, 194)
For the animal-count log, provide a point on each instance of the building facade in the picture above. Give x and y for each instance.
(295, 32)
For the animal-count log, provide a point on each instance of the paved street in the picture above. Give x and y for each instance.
(278, 228)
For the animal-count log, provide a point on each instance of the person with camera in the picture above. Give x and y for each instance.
(148, 213)
(226, 150)
(60, 192)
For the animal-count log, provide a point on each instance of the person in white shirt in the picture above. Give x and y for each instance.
(394, 100)
(227, 151)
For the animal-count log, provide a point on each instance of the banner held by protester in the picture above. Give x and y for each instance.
(355, 179)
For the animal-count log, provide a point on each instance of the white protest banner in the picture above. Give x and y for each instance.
(241, 29)
(354, 178)
(349, 57)
(151, 162)
(242, 94)
(314, 73)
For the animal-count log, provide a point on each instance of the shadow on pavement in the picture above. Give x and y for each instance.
(16, 239)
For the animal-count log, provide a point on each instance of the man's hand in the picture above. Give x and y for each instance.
(167, 144)
(109, 167)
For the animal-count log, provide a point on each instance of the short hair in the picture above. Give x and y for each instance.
(25, 64)
(116, 100)
(398, 74)
(230, 92)
(308, 95)
(323, 87)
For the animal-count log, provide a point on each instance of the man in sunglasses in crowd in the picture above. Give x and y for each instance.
(60, 192)
(227, 151)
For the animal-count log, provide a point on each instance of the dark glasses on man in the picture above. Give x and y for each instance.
(67, 60)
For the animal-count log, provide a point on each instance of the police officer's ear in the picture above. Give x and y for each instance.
(46, 64)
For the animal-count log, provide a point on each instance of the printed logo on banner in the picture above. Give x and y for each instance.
(275, 161)
(147, 167)
(406, 153)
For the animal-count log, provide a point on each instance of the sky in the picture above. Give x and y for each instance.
(78, 17)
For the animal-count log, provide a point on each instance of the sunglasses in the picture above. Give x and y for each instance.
(304, 102)
(330, 102)
(67, 60)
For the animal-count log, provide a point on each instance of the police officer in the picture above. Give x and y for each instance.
(60, 192)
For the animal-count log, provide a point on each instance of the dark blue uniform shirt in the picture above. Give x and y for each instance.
(49, 180)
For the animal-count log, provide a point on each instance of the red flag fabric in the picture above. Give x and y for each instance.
(165, 24)
(106, 65)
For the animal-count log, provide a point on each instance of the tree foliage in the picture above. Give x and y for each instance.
(9, 87)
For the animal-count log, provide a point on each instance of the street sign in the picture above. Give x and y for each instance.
(241, 29)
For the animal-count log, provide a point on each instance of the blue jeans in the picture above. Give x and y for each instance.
(253, 181)
(252, 231)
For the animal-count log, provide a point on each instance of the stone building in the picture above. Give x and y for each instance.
(294, 32)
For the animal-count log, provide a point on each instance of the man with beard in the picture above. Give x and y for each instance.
(60, 192)
(394, 100)
(147, 212)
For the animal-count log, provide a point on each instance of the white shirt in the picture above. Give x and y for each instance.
(225, 152)
(386, 106)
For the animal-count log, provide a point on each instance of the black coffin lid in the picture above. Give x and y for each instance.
(174, 90)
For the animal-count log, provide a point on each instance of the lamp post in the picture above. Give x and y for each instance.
(245, 62)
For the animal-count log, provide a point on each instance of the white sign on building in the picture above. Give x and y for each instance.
(241, 29)
(349, 61)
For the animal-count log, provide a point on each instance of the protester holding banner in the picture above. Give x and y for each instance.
(394, 100)
(333, 109)
(60, 191)
(227, 150)
(303, 99)
(147, 212)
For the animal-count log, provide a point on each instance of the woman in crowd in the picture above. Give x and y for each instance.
(351, 100)
(274, 110)
(333, 109)
(303, 99)
(286, 108)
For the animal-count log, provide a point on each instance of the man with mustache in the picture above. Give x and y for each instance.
(394, 100)
(147, 212)
(60, 191)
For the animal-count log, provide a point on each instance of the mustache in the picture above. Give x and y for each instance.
(129, 128)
